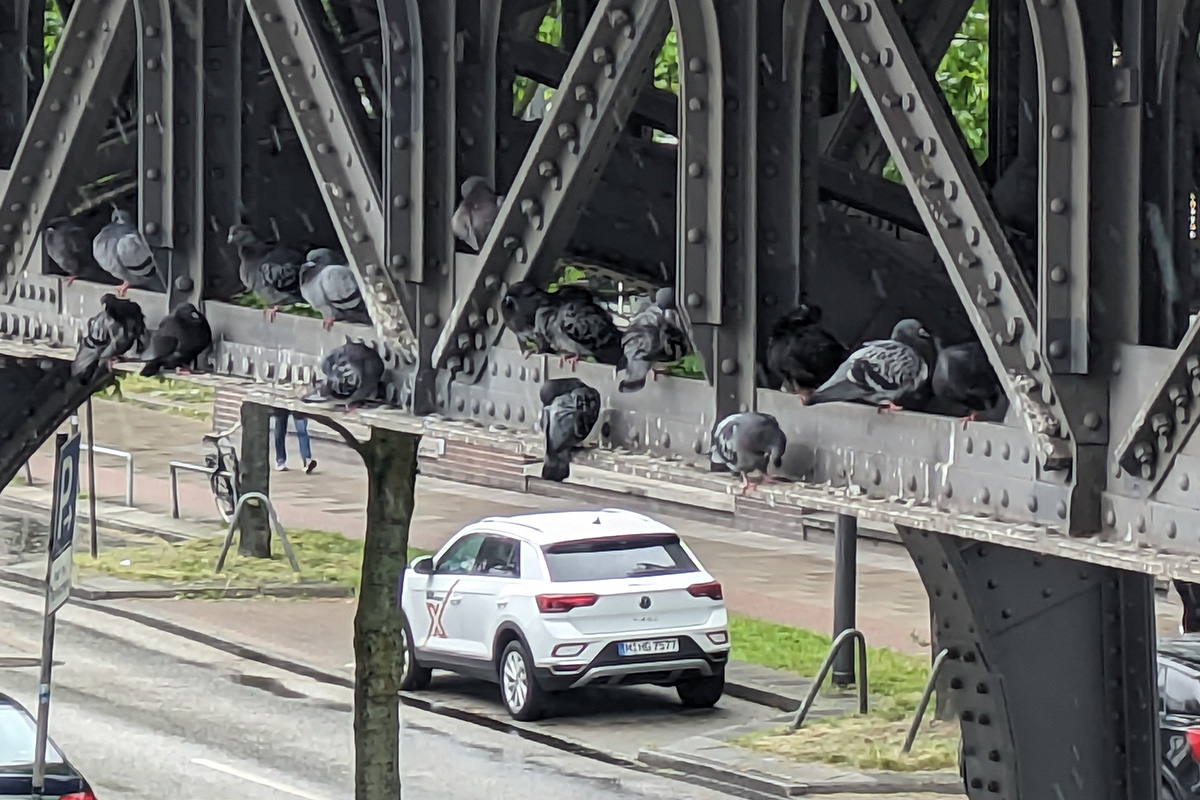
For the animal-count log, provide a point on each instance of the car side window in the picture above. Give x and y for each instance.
(1180, 692)
(499, 557)
(461, 556)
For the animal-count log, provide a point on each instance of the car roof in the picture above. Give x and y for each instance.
(553, 527)
(1184, 648)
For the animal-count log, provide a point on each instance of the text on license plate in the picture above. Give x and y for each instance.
(648, 647)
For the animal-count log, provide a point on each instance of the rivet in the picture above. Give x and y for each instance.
(431, 320)
(1059, 85)
(1032, 504)
(1061, 509)
(695, 104)
(287, 61)
(695, 300)
(1057, 348)
(696, 65)
(1058, 205)
(1184, 482)
(1058, 274)
(1058, 132)
(850, 12)
(1091, 420)
(400, 201)
(729, 366)
(695, 169)
(695, 235)
(1172, 531)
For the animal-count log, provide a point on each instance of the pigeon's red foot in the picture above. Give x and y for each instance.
(271, 312)
(888, 406)
(968, 419)
(123, 289)
(71, 279)
(182, 371)
(327, 324)
(747, 486)
(804, 395)
(572, 361)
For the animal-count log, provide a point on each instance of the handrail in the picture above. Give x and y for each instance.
(934, 671)
(826, 665)
(122, 454)
(273, 518)
(174, 468)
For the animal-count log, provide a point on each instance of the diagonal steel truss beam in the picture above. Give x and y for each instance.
(337, 154)
(960, 221)
(563, 164)
(94, 55)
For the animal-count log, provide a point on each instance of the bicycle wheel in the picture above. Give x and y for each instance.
(223, 495)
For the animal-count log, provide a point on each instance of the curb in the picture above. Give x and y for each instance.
(218, 592)
(101, 520)
(761, 695)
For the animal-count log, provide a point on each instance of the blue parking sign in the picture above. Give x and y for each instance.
(66, 492)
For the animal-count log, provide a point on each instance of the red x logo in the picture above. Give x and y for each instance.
(435, 619)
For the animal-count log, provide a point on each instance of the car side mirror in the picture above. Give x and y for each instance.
(422, 565)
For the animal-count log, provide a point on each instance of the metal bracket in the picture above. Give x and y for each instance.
(957, 214)
(339, 159)
(562, 166)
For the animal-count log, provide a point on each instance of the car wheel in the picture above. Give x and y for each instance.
(701, 692)
(413, 677)
(1166, 792)
(524, 699)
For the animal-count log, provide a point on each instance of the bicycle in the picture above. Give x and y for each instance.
(223, 475)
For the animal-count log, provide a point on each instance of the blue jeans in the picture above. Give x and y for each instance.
(280, 418)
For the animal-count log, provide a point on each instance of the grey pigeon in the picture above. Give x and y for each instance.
(574, 325)
(116, 329)
(884, 372)
(331, 287)
(352, 375)
(178, 342)
(801, 355)
(963, 376)
(570, 409)
(518, 309)
(70, 246)
(270, 272)
(476, 214)
(748, 442)
(655, 336)
(122, 252)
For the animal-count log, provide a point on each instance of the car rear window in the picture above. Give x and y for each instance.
(625, 557)
(17, 735)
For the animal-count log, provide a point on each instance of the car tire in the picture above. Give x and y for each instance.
(523, 698)
(1165, 792)
(701, 692)
(413, 676)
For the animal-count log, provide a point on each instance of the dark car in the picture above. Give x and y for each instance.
(1179, 715)
(18, 731)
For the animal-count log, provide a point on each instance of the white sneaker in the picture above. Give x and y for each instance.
(281, 467)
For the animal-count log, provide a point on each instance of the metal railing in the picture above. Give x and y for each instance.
(276, 526)
(175, 467)
(934, 671)
(121, 454)
(826, 665)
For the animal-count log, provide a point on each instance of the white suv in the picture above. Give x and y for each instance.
(542, 603)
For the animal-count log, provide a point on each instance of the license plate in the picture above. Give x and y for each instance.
(649, 647)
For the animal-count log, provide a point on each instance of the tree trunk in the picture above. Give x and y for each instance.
(391, 461)
(254, 475)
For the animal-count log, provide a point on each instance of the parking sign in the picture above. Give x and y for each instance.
(62, 549)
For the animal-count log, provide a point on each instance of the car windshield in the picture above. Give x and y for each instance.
(17, 735)
(625, 557)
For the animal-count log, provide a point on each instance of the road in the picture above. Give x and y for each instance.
(146, 714)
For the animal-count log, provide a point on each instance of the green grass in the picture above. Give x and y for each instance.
(895, 681)
(250, 300)
(324, 557)
(162, 394)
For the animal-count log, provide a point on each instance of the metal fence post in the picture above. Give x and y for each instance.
(845, 589)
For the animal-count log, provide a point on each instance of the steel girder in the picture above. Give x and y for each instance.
(559, 171)
(1034, 638)
(94, 55)
(337, 155)
(22, 57)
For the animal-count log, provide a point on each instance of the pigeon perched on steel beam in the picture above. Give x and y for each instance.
(330, 286)
(183, 335)
(69, 245)
(519, 309)
(801, 355)
(963, 375)
(122, 252)
(574, 325)
(110, 334)
(748, 442)
(352, 376)
(270, 272)
(884, 372)
(570, 409)
(655, 336)
(476, 214)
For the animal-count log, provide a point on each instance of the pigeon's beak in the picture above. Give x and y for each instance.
(229, 239)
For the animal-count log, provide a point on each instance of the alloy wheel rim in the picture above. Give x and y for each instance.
(515, 681)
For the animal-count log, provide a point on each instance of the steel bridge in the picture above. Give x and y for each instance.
(761, 178)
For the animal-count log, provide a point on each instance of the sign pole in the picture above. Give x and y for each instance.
(58, 583)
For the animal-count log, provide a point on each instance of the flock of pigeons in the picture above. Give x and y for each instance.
(909, 370)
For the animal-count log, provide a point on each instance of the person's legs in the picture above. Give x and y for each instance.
(279, 417)
(305, 443)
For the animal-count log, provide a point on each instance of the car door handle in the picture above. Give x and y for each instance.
(501, 603)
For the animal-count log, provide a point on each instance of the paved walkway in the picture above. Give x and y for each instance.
(765, 576)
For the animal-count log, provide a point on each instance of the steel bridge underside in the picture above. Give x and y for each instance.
(755, 180)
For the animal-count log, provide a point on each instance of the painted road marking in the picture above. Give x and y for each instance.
(246, 776)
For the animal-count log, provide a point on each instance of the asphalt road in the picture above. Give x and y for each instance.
(146, 714)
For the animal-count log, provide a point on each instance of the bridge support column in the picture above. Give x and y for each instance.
(1053, 655)
(254, 475)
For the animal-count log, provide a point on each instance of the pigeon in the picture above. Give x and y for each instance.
(518, 309)
(748, 442)
(655, 335)
(69, 245)
(120, 249)
(885, 371)
(574, 325)
(964, 376)
(110, 334)
(270, 272)
(179, 341)
(570, 409)
(476, 214)
(352, 375)
(801, 355)
(331, 287)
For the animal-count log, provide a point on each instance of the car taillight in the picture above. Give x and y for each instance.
(562, 603)
(78, 796)
(1193, 740)
(711, 590)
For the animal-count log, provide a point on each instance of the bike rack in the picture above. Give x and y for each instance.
(127, 457)
(175, 466)
(28, 474)
(838, 643)
(275, 524)
(934, 671)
